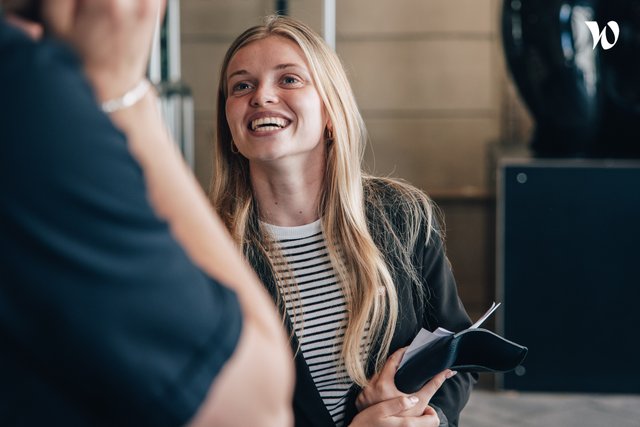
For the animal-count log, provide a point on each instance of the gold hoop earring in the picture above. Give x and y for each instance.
(234, 149)
(328, 135)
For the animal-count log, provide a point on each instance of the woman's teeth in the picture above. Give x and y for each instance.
(266, 124)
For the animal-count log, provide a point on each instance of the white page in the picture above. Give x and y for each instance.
(485, 316)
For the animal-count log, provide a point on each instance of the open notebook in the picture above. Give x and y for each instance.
(473, 349)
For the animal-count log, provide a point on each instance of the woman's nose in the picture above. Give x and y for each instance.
(263, 95)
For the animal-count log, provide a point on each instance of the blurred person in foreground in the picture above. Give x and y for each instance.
(123, 301)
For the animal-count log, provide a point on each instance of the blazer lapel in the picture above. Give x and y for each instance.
(309, 409)
(308, 406)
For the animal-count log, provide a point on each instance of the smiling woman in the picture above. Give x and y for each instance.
(355, 263)
(273, 109)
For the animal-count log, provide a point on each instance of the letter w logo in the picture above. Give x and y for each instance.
(597, 35)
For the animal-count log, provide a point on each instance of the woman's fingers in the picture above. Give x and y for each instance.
(392, 413)
(389, 408)
(429, 389)
(382, 386)
(393, 362)
(383, 413)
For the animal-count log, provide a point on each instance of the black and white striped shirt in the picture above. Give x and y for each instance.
(317, 309)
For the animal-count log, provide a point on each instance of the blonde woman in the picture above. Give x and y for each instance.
(355, 263)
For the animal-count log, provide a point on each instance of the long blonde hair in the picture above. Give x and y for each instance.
(364, 273)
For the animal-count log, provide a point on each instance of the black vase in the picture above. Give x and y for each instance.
(585, 99)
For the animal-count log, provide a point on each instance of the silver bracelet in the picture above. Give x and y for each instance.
(127, 100)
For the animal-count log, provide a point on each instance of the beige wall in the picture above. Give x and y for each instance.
(431, 83)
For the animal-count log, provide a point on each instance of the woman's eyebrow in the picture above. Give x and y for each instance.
(236, 73)
(242, 72)
(290, 65)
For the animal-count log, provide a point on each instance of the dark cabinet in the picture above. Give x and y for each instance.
(569, 273)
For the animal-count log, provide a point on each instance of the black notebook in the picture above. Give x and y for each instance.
(473, 349)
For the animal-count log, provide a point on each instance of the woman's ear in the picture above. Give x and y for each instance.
(328, 126)
(328, 133)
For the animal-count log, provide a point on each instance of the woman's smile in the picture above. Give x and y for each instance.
(267, 123)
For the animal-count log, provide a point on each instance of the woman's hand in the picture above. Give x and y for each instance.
(391, 413)
(382, 388)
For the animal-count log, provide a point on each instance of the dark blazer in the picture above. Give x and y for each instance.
(442, 308)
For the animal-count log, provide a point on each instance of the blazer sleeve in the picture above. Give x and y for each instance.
(444, 309)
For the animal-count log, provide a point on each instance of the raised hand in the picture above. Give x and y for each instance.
(112, 37)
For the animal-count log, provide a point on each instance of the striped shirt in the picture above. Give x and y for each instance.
(317, 309)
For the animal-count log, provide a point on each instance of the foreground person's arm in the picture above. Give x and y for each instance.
(112, 38)
(259, 374)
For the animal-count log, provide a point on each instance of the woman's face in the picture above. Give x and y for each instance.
(273, 108)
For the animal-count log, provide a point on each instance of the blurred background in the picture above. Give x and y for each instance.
(524, 132)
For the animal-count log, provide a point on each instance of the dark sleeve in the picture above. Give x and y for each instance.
(444, 309)
(96, 296)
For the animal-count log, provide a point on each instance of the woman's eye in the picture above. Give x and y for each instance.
(241, 87)
(291, 80)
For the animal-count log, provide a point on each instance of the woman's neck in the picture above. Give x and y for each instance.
(288, 196)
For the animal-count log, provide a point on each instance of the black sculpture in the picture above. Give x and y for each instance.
(585, 100)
